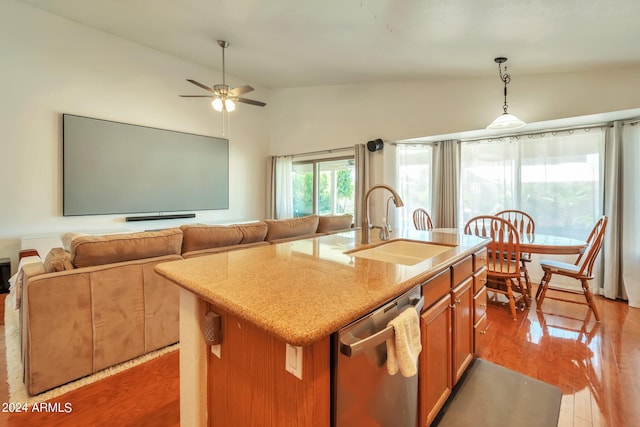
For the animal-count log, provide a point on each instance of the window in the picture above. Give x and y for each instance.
(323, 186)
(556, 178)
(414, 180)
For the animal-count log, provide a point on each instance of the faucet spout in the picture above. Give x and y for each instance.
(397, 200)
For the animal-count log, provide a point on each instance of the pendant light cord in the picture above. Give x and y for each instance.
(506, 78)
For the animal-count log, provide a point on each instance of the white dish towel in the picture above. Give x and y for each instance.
(404, 348)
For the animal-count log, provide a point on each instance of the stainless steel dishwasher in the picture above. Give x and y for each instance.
(363, 393)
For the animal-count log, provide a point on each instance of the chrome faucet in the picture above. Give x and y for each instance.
(385, 229)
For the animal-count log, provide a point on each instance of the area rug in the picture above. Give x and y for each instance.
(17, 390)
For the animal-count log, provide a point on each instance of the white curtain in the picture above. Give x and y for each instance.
(414, 176)
(613, 208)
(622, 206)
(630, 229)
(283, 187)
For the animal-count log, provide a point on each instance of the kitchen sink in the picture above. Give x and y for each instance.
(405, 252)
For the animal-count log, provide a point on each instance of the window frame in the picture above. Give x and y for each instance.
(315, 180)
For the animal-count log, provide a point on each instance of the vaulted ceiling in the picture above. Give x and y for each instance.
(290, 43)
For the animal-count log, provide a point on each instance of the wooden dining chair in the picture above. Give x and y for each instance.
(503, 253)
(525, 225)
(581, 270)
(422, 220)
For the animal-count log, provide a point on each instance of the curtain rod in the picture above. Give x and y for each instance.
(416, 143)
(310, 153)
(542, 132)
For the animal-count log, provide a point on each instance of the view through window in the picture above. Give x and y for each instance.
(556, 178)
(324, 186)
(414, 169)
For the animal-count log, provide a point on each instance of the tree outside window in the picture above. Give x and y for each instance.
(324, 187)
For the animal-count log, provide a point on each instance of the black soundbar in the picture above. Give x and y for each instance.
(157, 217)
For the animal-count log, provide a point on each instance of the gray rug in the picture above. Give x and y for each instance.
(492, 396)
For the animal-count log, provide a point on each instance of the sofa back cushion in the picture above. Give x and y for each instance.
(87, 251)
(331, 223)
(291, 227)
(205, 236)
(254, 232)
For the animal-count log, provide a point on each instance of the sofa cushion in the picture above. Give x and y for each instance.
(291, 227)
(254, 232)
(332, 223)
(57, 260)
(205, 236)
(87, 251)
(67, 238)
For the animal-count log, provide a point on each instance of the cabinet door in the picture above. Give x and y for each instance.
(480, 334)
(462, 327)
(435, 360)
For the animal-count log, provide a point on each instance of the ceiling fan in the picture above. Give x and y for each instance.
(224, 96)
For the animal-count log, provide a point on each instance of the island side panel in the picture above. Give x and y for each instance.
(249, 386)
(193, 384)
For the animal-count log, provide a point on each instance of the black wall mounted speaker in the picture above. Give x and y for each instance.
(375, 145)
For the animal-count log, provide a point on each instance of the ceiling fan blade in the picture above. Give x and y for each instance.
(201, 85)
(198, 96)
(250, 101)
(240, 90)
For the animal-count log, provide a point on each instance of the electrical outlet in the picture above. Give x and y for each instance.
(293, 362)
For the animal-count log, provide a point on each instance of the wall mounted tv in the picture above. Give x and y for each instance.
(119, 168)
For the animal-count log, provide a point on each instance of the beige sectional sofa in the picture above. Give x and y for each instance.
(97, 301)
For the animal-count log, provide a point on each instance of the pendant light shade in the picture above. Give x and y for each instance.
(505, 120)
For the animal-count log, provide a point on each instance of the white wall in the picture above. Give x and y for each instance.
(50, 66)
(316, 118)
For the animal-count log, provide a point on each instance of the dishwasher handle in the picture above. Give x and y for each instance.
(350, 345)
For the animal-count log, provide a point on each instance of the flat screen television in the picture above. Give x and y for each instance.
(119, 168)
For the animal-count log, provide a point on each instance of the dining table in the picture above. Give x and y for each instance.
(538, 243)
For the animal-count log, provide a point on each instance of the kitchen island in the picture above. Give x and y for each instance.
(279, 306)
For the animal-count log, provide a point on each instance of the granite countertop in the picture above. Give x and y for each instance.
(304, 290)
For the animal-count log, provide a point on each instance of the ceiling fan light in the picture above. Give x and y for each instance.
(217, 104)
(229, 105)
(506, 121)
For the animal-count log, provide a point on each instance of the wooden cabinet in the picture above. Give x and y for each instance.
(480, 321)
(451, 325)
(435, 381)
(462, 299)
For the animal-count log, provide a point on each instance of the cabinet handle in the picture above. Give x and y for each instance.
(483, 305)
(483, 280)
(483, 332)
(458, 301)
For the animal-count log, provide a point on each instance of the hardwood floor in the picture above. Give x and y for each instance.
(594, 364)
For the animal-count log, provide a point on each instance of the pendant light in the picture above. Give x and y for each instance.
(505, 120)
